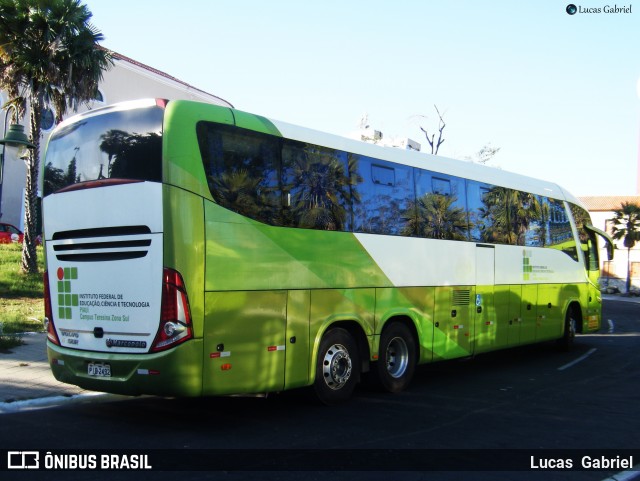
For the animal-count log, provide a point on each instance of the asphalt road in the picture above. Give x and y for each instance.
(479, 410)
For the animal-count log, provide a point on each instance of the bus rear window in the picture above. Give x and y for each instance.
(116, 144)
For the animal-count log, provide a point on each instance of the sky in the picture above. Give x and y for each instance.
(558, 94)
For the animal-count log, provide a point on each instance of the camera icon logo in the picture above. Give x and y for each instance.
(572, 9)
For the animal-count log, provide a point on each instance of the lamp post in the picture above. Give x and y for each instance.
(15, 138)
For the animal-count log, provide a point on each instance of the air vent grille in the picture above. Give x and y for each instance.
(102, 232)
(102, 244)
(461, 297)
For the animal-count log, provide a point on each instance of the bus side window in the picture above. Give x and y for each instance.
(383, 198)
(441, 207)
(588, 243)
(479, 222)
(318, 186)
(243, 170)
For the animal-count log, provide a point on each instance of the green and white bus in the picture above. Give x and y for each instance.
(198, 250)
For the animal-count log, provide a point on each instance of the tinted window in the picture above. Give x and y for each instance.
(243, 170)
(440, 207)
(382, 175)
(289, 183)
(508, 216)
(479, 224)
(276, 181)
(587, 239)
(123, 144)
(318, 186)
(440, 186)
(384, 196)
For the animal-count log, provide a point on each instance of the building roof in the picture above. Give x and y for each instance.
(124, 58)
(608, 203)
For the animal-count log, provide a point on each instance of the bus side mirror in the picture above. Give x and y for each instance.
(607, 239)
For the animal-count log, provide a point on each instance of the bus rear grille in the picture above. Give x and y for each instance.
(101, 257)
(102, 244)
(102, 232)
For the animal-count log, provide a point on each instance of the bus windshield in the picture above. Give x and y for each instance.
(122, 144)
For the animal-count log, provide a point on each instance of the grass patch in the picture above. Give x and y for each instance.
(13, 282)
(21, 297)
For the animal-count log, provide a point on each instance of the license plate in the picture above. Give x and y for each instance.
(99, 369)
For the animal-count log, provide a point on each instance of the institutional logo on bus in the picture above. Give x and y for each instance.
(66, 299)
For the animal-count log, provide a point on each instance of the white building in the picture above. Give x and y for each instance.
(126, 80)
(614, 273)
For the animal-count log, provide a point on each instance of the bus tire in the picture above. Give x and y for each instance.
(337, 367)
(397, 362)
(569, 335)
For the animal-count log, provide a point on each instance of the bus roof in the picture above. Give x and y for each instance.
(436, 163)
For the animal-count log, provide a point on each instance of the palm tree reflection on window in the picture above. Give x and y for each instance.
(321, 191)
(131, 155)
(508, 215)
(435, 216)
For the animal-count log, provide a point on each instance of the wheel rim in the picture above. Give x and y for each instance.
(572, 329)
(397, 357)
(336, 366)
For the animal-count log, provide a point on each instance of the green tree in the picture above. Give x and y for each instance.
(48, 56)
(626, 227)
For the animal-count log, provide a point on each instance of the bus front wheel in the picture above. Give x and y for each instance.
(337, 367)
(570, 328)
(397, 362)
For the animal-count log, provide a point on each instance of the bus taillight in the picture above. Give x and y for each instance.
(175, 318)
(48, 313)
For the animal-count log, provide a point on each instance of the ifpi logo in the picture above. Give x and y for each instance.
(66, 300)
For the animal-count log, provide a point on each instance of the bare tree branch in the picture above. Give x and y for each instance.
(435, 145)
(486, 153)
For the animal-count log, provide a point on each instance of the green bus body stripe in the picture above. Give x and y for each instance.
(255, 123)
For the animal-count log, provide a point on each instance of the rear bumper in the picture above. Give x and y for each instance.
(176, 372)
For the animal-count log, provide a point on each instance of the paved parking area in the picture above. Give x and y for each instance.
(25, 372)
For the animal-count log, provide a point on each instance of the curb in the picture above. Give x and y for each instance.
(52, 401)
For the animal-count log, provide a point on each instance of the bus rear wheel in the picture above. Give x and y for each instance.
(397, 362)
(337, 367)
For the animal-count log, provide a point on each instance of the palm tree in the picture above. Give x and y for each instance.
(48, 56)
(626, 227)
